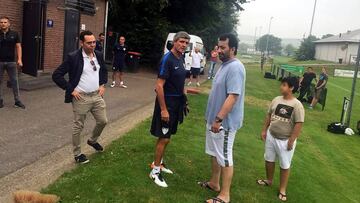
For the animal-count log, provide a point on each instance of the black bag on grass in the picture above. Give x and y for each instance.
(337, 128)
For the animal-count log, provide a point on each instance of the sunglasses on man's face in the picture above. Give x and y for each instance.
(93, 64)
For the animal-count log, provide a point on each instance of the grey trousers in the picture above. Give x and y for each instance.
(11, 70)
(94, 104)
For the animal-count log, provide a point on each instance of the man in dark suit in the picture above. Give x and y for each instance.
(85, 90)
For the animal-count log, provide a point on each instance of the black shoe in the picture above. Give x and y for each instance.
(81, 159)
(96, 146)
(1, 104)
(18, 104)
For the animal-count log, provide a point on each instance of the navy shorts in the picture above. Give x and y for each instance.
(118, 67)
(195, 72)
(173, 105)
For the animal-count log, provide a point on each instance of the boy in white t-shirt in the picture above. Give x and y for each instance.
(282, 127)
(197, 59)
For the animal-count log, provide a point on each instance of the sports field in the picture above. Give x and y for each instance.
(326, 167)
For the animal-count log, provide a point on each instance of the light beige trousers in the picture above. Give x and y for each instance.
(95, 104)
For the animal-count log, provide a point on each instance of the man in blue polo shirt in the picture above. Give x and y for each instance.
(120, 51)
(171, 102)
(224, 116)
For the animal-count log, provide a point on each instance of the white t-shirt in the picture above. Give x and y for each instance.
(196, 59)
(89, 80)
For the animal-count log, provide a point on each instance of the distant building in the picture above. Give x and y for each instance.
(339, 48)
(50, 28)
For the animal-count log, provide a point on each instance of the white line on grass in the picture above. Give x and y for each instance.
(346, 90)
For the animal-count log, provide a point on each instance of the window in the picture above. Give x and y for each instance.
(84, 6)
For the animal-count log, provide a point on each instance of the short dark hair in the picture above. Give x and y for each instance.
(233, 41)
(5, 17)
(85, 33)
(292, 82)
(310, 68)
(101, 34)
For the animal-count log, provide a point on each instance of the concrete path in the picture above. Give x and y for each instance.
(45, 125)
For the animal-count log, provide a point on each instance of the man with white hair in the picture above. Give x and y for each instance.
(170, 104)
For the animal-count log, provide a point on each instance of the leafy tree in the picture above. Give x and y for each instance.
(327, 36)
(289, 50)
(243, 48)
(274, 46)
(307, 49)
(146, 23)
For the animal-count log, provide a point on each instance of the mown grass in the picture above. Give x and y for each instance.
(326, 167)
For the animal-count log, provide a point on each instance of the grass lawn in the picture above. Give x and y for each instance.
(326, 167)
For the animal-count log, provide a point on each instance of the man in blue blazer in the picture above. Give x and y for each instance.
(84, 89)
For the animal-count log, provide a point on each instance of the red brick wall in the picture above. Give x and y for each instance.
(14, 10)
(95, 23)
(54, 37)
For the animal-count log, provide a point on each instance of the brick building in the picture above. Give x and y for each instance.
(50, 28)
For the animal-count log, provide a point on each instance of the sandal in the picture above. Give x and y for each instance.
(216, 200)
(282, 197)
(263, 182)
(207, 186)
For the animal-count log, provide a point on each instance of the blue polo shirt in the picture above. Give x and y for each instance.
(172, 70)
(230, 79)
(119, 54)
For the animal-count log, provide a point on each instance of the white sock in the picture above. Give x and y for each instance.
(156, 170)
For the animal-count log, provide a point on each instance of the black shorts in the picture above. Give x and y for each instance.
(118, 67)
(195, 72)
(173, 105)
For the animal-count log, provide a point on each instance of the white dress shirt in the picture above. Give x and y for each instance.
(89, 80)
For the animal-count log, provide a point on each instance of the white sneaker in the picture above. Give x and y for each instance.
(158, 179)
(189, 84)
(162, 168)
(198, 84)
(113, 84)
(123, 85)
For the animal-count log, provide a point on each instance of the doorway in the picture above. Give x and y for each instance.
(72, 28)
(33, 36)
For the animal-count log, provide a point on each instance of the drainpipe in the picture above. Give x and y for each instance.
(105, 26)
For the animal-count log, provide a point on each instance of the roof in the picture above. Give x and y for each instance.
(350, 36)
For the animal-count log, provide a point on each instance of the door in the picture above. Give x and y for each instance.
(72, 28)
(32, 38)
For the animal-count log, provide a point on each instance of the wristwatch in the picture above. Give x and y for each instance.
(218, 119)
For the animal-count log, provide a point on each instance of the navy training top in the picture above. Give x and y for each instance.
(172, 70)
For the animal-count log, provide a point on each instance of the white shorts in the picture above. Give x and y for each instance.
(276, 148)
(220, 145)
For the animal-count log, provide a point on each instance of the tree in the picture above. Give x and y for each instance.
(327, 36)
(289, 50)
(146, 23)
(274, 46)
(243, 48)
(307, 49)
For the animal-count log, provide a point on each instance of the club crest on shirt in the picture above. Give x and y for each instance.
(283, 113)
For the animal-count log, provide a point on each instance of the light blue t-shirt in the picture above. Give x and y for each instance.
(230, 79)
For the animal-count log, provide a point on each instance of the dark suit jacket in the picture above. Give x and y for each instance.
(74, 65)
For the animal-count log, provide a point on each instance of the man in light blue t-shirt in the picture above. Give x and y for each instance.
(224, 116)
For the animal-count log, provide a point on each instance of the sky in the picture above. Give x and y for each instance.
(292, 18)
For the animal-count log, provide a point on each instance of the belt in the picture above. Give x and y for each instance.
(90, 93)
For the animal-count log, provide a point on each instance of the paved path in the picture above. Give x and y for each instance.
(45, 125)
